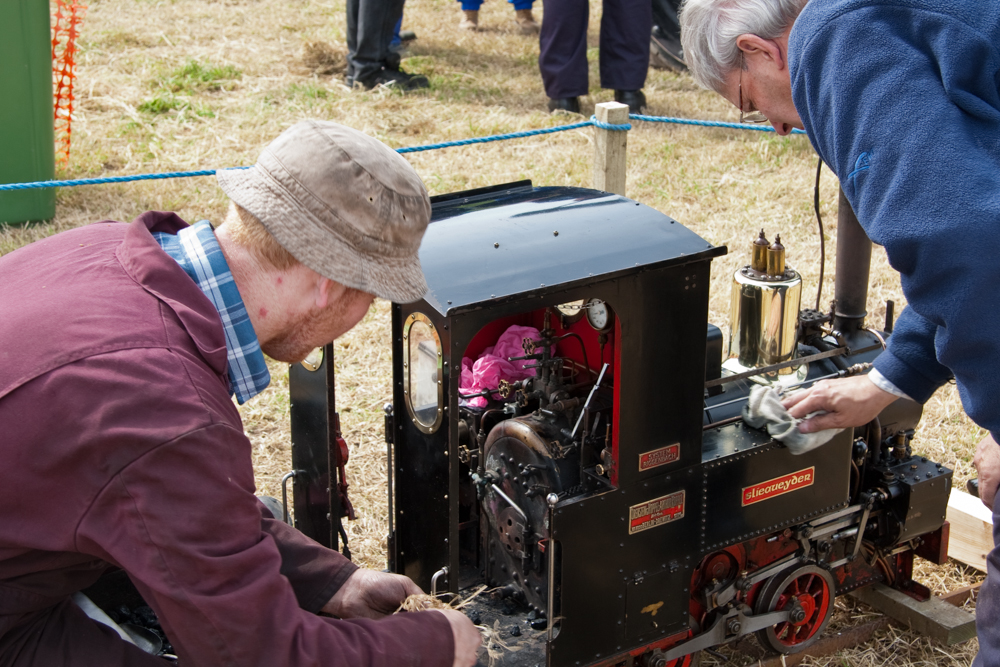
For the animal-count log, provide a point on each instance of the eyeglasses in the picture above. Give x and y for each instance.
(754, 116)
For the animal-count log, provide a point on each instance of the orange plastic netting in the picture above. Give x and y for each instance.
(66, 18)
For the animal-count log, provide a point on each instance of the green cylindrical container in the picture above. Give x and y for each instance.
(27, 142)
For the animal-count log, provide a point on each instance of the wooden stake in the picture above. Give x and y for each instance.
(610, 148)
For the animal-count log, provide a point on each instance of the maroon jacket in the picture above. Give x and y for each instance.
(119, 444)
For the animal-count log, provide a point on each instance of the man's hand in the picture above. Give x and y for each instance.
(467, 637)
(987, 463)
(371, 594)
(852, 401)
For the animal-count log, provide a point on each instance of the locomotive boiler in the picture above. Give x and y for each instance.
(565, 429)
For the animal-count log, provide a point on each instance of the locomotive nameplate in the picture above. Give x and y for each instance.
(778, 486)
(656, 512)
(659, 457)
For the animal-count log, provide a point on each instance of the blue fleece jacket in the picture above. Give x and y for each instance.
(901, 98)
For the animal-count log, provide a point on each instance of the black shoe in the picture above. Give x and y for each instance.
(635, 100)
(665, 51)
(407, 35)
(571, 104)
(396, 78)
(392, 60)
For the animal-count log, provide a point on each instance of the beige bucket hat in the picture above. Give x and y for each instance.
(342, 203)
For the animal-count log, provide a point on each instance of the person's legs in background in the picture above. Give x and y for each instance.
(665, 50)
(369, 31)
(396, 42)
(370, 62)
(351, 11)
(624, 54)
(400, 37)
(562, 57)
(470, 14)
(523, 16)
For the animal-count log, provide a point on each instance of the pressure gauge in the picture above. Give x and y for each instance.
(571, 311)
(599, 315)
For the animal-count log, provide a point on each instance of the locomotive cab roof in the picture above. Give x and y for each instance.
(518, 240)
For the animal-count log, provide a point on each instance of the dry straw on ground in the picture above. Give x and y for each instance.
(170, 85)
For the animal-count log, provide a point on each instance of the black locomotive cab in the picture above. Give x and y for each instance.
(564, 430)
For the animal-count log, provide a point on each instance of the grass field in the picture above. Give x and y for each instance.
(167, 85)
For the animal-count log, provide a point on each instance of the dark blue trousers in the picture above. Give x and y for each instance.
(988, 602)
(624, 54)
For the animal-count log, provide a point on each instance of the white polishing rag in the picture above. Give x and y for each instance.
(764, 408)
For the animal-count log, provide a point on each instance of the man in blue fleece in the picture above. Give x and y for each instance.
(901, 98)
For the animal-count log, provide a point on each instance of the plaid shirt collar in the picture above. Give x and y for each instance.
(197, 251)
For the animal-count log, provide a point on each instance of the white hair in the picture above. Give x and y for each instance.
(709, 29)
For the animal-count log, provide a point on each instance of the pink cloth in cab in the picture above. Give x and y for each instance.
(492, 365)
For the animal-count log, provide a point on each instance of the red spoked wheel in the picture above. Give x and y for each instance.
(807, 592)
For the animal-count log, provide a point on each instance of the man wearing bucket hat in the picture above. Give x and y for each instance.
(121, 447)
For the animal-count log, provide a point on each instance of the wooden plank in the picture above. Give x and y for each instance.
(610, 148)
(962, 595)
(934, 617)
(971, 529)
(828, 645)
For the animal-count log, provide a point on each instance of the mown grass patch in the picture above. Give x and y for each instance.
(195, 76)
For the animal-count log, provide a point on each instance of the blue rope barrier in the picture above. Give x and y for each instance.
(623, 127)
(518, 135)
(609, 126)
(110, 179)
(498, 137)
(707, 123)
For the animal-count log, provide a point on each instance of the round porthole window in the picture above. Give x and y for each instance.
(422, 376)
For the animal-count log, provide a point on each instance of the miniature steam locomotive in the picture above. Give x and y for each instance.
(612, 494)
